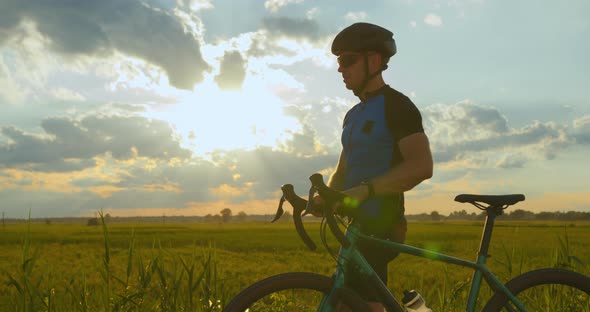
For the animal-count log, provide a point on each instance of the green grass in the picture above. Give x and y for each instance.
(199, 267)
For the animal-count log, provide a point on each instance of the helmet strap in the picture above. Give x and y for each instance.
(360, 90)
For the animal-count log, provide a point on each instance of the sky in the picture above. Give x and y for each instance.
(186, 107)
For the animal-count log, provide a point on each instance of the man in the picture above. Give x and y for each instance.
(385, 151)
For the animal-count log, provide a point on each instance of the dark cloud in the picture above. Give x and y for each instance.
(460, 130)
(232, 71)
(321, 121)
(303, 143)
(264, 46)
(512, 161)
(261, 172)
(100, 27)
(69, 145)
(42, 203)
(270, 169)
(299, 28)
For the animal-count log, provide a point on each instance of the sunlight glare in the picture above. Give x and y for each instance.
(210, 119)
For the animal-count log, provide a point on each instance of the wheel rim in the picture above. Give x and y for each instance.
(288, 300)
(552, 297)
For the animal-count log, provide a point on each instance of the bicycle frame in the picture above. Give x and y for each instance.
(351, 256)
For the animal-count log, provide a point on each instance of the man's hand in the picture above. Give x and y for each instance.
(317, 205)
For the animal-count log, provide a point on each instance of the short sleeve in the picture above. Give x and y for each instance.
(405, 116)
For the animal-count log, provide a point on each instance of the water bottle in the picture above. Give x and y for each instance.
(414, 302)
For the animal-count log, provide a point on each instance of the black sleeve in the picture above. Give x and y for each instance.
(405, 117)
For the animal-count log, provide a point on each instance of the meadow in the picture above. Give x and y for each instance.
(200, 266)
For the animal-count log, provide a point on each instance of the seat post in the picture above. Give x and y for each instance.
(486, 237)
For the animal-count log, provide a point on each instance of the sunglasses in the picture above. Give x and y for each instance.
(347, 60)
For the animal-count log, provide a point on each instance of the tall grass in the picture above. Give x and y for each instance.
(163, 281)
(176, 267)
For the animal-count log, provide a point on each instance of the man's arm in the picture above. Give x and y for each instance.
(336, 180)
(417, 166)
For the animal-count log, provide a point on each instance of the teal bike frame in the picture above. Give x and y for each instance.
(351, 256)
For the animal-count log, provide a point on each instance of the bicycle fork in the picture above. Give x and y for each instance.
(351, 256)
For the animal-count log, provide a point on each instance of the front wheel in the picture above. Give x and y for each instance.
(297, 291)
(545, 290)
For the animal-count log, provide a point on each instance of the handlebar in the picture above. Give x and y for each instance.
(301, 207)
(299, 204)
(331, 197)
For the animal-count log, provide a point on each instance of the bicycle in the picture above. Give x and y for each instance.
(286, 291)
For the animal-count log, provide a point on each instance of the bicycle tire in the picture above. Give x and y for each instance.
(291, 281)
(531, 284)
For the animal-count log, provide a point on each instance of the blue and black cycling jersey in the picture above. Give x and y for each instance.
(370, 136)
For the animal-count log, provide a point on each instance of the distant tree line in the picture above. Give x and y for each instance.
(517, 214)
(227, 216)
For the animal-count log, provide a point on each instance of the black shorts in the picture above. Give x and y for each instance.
(378, 258)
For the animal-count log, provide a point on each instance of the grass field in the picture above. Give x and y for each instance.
(199, 267)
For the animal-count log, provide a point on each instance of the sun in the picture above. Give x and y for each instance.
(210, 118)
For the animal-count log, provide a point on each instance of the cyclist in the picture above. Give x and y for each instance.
(385, 151)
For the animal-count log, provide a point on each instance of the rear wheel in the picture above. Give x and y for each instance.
(545, 290)
(298, 291)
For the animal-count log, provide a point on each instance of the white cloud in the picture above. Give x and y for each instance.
(356, 16)
(413, 23)
(197, 5)
(275, 5)
(433, 20)
(67, 94)
(312, 13)
(11, 91)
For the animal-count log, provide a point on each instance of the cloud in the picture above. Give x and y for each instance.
(323, 121)
(466, 130)
(356, 16)
(10, 90)
(512, 161)
(433, 20)
(232, 71)
(312, 13)
(582, 129)
(196, 5)
(67, 95)
(70, 145)
(464, 121)
(292, 27)
(269, 169)
(275, 5)
(237, 177)
(100, 28)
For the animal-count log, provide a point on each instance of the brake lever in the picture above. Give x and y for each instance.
(280, 210)
(299, 204)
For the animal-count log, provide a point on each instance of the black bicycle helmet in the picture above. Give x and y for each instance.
(360, 37)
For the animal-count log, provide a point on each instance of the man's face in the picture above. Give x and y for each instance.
(351, 65)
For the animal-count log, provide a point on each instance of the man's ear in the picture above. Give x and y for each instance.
(377, 60)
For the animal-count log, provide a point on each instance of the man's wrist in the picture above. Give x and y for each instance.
(370, 189)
